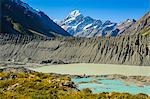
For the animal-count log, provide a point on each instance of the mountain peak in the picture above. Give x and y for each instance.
(130, 20)
(75, 13)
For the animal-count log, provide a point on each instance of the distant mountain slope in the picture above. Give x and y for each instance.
(18, 17)
(142, 26)
(125, 25)
(78, 25)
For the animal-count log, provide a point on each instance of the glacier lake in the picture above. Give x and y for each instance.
(94, 69)
(98, 85)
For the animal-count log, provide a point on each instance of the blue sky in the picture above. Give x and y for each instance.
(115, 10)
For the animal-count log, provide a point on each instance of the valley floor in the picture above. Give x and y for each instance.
(95, 78)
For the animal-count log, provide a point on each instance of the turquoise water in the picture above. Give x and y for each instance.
(79, 80)
(111, 82)
(104, 85)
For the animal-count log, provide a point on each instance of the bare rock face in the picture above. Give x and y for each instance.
(131, 50)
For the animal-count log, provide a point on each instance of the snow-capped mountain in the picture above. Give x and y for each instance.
(84, 26)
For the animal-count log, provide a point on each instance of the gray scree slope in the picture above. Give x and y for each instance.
(131, 50)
